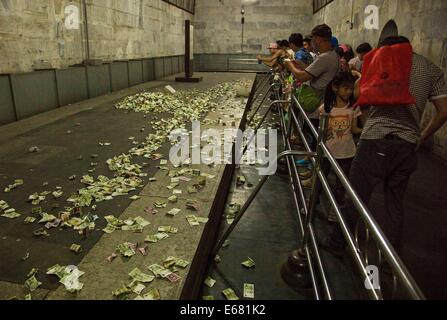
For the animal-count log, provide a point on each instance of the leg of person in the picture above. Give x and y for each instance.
(367, 171)
(310, 140)
(339, 189)
(394, 190)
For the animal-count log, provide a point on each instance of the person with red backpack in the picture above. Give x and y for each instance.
(387, 151)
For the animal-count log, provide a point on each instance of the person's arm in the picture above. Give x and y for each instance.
(301, 65)
(300, 75)
(270, 59)
(438, 121)
(355, 73)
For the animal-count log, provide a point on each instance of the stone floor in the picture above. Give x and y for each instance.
(99, 122)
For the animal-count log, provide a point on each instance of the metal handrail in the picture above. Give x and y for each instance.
(370, 223)
(309, 245)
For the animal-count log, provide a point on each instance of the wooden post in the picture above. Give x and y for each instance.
(189, 57)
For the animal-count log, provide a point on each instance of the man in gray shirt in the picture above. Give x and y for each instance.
(321, 72)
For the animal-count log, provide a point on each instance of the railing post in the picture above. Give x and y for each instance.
(295, 270)
(316, 184)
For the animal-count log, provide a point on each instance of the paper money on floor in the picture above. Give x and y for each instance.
(230, 294)
(210, 282)
(249, 291)
(137, 275)
(249, 263)
(153, 294)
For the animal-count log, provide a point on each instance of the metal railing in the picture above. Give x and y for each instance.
(360, 251)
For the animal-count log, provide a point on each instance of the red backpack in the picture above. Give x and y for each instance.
(386, 77)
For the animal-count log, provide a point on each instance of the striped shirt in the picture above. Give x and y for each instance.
(426, 83)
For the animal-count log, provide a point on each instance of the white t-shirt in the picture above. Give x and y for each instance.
(339, 139)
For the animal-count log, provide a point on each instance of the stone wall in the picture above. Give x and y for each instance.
(33, 33)
(424, 22)
(218, 26)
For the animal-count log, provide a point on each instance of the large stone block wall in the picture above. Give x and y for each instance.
(33, 33)
(423, 22)
(218, 26)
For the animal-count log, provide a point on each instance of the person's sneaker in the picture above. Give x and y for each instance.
(331, 216)
(335, 250)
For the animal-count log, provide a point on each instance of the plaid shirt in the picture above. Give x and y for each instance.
(427, 83)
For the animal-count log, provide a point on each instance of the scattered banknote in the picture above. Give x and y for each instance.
(151, 239)
(230, 294)
(226, 244)
(173, 212)
(11, 214)
(249, 263)
(161, 236)
(111, 257)
(169, 262)
(76, 248)
(192, 189)
(249, 291)
(137, 275)
(201, 181)
(135, 198)
(33, 272)
(134, 228)
(159, 204)
(217, 258)
(137, 287)
(167, 229)
(192, 220)
(11, 187)
(126, 249)
(143, 250)
(182, 263)
(109, 229)
(26, 257)
(173, 199)
(159, 271)
(36, 210)
(192, 205)
(32, 283)
(173, 277)
(123, 291)
(150, 210)
(208, 298)
(153, 294)
(210, 282)
(141, 221)
(71, 280)
(3, 205)
(47, 218)
(202, 219)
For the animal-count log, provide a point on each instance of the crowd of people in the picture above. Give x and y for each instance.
(374, 144)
